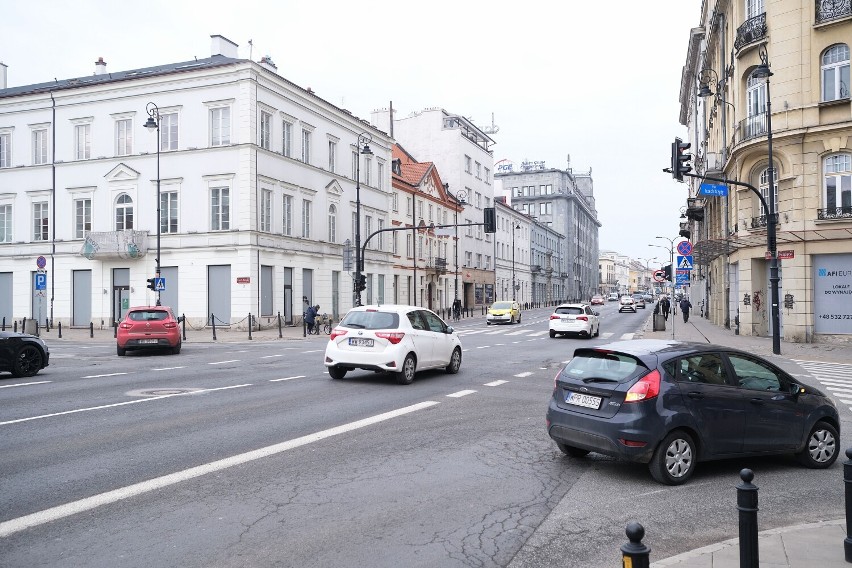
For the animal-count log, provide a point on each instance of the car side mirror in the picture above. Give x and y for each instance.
(597, 313)
(796, 389)
(450, 330)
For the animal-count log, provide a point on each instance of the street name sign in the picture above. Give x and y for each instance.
(682, 277)
(713, 189)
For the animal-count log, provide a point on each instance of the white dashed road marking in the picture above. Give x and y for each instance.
(223, 362)
(461, 393)
(106, 375)
(495, 383)
(23, 384)
(522, 375)
(168, 368)
(287, 378)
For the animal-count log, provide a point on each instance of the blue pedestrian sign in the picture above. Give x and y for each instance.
(159, 284)
(41, 281)
(713, 189)
(684, 262)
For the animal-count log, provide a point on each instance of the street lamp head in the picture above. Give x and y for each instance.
(705, 91)
(151, 124)
(366, 150)
(762, 71)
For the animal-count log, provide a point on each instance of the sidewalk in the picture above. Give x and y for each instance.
(798, 546)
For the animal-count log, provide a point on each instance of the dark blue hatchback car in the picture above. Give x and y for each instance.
(671, 404)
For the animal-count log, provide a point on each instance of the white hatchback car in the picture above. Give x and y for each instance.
(627, 304)
(396, 339)
(577, 319)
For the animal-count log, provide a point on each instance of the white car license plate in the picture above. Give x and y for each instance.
(360, 342)
(149, 341)
(586, 400)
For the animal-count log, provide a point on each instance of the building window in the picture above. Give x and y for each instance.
(123, 137)
(220, 209)
(354, 164)
(478, 170)
(838, 184)
(835, 73)
(266, 210)
(381, 184)
(420, 210)
(123, 213)
(478, 260)
(467, 162)
(420, 246)
(5, 223)
(368, 224)
(168, 131)
(478, 200)
(39, 146)
(368, 169)
(394, 202)
(408, 245)
(332, 155)
(469, 229)
(431, 212)
(380, 238)
(756, 102)
(306, 146)
(306, 219)
(408, 206)
(169, 212)
(332, 224)
(5, 149)
(468, 259)
(754, 8)
(287, 139)
(288, 215)
(487, 176)
(82, 217)
(83, 141)
(265, 130)
(395, 242)
(220, 126)
(764, 190)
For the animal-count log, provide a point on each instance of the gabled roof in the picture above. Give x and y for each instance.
(414, 175)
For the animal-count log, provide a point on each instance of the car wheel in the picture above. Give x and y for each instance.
(28, 361)
(674, 459)
(176, 348)
(336, 373)
(572, 451)
(406, 375)
(519, 319)
(455, 361)
(552, 333)
(821, 448)
(120, 351)
(488, 323)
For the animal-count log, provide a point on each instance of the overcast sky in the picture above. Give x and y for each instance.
(598, 81)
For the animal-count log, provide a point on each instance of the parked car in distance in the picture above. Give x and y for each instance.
(626, 304)
(396, 339)
(612, 297)
(639, 300)
(503, 312)
(22, 354)
(575, 319)
(597, 300)
(649, 298)
(148, 327)
(671, 404)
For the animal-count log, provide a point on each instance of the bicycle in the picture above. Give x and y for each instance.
(322, 323)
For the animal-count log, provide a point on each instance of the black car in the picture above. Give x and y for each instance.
(22, 354)
(671, 404)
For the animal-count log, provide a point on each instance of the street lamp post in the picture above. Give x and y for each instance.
(460, 201)
(515, 225)
(153, 124)
(763, 72)
(363, 147)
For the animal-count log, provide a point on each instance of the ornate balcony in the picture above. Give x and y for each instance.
(827, 10)
(834, 213)
(752, 30)
(438, 264)
(115, 244)
(751, 127)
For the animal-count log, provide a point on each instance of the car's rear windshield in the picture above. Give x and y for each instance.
(603, 365)
(371, 320)
(148, 315)
(569, 310)
(502, 306)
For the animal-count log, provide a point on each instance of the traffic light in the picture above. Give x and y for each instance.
(489, 215)
(680, 159)
(360, 283)
(152, 284)
(668, 270)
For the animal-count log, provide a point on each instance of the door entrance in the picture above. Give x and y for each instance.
(120, 302)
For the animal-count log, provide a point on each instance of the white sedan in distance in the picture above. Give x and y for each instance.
(575, 319)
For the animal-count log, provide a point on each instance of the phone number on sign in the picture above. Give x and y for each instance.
(836, 316)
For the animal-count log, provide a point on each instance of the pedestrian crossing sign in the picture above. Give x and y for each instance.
(684, 262)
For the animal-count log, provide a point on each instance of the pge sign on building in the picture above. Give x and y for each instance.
(833, 293)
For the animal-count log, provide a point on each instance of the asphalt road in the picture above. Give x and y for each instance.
(250, 455)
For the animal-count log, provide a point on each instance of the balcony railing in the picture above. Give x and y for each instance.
(125, 245)
(752, 30)
(752, 127)
(834, 213)
(827, 10)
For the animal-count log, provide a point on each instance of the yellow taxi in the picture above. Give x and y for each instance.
(504, 312)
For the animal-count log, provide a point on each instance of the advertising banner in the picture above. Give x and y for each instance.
(833, 293)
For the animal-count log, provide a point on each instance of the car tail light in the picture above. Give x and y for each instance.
(582, 318)
(125, 325)
(393, 337)
(554, 316)
(337, 332)
(646, 388)
(633, 443)
(169, 324)
(556, 380)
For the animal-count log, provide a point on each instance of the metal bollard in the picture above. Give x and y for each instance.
(847, 481)
(279, 326)
(37, 333)
(91, 329)
(213, 321)
(634, 554)
(60, 330)
(4, 324)
(304, 327)
(16, 327)
(747, 506)
(249, 325)
(114, 329)
(183, 325)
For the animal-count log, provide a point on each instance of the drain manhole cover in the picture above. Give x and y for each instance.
(161, 392)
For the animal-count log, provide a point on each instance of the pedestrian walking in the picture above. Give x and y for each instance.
(685, 306)
(665, 306)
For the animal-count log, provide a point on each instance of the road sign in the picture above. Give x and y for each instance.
(684, 247)
(659, 276)
(682, 277)
(718, 190)
(41, 262)
(41, 281)
(684, 262)
(159, 284)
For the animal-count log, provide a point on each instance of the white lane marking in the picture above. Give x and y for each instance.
(223, 362)
(495, 383)
(41, 517)
(287, 378)
(627, 336)
(483, 347)
(106, 375)
(519, 332)
(461, 393)
(471, 331)
(119, 404)
(269, 356)
(24, 384)
(537, 333)
(606, 335)
(169, 368)
(499, 344)
(525, 374)
(314, 351)
(465, 350)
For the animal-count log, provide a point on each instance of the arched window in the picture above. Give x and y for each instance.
(332, 224)
(764, 190)
(835, 73)
(838, 186)
(123, 213)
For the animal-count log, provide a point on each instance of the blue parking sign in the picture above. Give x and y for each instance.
(41, 281)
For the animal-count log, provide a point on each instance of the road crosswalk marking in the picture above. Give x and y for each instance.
(836, 378)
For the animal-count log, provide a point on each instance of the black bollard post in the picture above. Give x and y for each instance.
(15, 327)
(183, 325)
(279, 326)
(635, 554)
(114, 329)
(847, 481)
(24, 325)
(249, 321)
(747, 506)
(4, 324)
(91, 329)
(213, 321)
(60, 330)
(304, 327)
(37, 333)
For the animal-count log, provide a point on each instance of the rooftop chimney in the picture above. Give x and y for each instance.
(223, 46)
(2, 75)
(100, 66)
(266, 63)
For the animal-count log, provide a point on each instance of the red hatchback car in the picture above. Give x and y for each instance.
(597, 300)
(146, 327)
